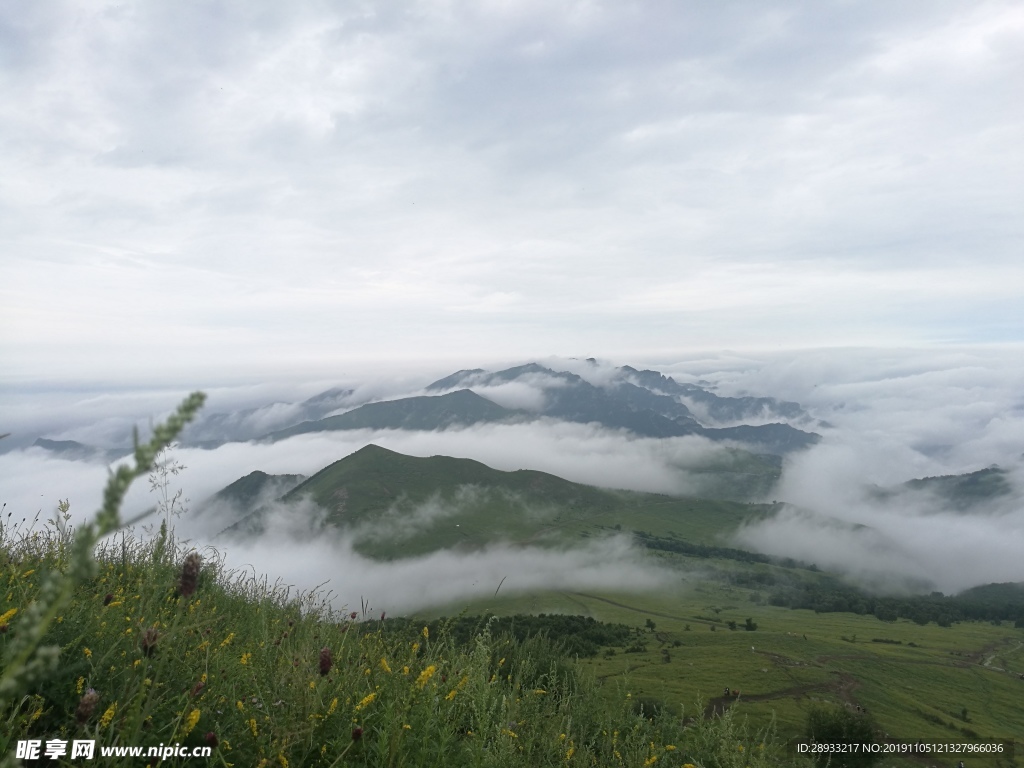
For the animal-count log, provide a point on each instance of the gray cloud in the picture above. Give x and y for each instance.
(256, 188)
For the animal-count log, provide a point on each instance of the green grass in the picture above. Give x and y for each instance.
(241, 665)
(915, 686)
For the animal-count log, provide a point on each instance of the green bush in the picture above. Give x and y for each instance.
(839, 725)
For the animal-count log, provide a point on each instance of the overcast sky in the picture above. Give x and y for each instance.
(194, 191)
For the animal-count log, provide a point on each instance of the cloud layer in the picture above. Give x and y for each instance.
(257, 187)
(895, 414)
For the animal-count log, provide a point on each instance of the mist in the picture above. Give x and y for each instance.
(889, 415)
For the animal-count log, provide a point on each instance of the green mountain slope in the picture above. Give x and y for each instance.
(398, 506)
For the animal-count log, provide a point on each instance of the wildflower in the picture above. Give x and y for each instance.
(367, 700)
(108, 716)
(148, 641)
(86, 706)
(426, 633)
(425, 676)
(190, 722)
(539, 691)
(451, 694)
(312, 685)
(405, 670)
(211, 739)
(189, 578)
(8, 615)
(569, 753)
(651, 760)
(227, 640)
(326, 661)
(252, 727)
(384, 665)
(240, 706)
(670, 747)
(406, 727)
(333, 707)
(353, 615)
(282, 760)
(28, 573)
(113, 604)
(245, 658)
(357, 733)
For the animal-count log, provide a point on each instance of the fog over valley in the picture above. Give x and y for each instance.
(847, 502)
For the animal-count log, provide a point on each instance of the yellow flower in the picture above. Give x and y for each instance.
(426, 633)
(334, 706)
(569, 753)
(367, 701)
(252, 727)
(245, 658)
(282, 760)
(227, 640)
(312, 685)
(190, 722)
(670, 747)
(79, 685)
(405, 670)
(135, 664)
(425, 676)
(384, 665)
(108, 716)
(114, 604)
(539, 691)
(406, 727)
(28, 573)
(8, 616)
(651, 760)
(451, 694)
(87, 652)
(240, 705)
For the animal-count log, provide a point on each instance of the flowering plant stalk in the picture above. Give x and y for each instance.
(27, 661)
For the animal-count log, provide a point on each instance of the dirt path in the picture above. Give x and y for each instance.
(641, 610)
(843, 687)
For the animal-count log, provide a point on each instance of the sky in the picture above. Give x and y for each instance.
(192, 194)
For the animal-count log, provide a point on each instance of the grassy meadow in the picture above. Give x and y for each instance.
(142, 641)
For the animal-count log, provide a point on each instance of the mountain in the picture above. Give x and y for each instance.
(254, 487)
(72, 450)
(963, 492)
(395, 505)
(460, 408)
(968, 489)
(210, 430)
(652, 408)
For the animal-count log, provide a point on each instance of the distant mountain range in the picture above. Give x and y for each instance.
(645, 403)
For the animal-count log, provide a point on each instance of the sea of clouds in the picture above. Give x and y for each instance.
(891, 415)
